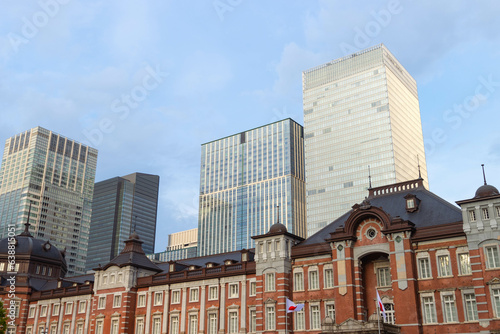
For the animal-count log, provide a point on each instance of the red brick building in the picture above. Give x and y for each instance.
(436, 268)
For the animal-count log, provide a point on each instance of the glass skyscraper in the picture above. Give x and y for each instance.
(249, 181)
(121, 205)
(360, 110)
(56, 175)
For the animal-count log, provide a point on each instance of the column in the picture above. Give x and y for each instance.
(86, 328)
(243, 315)
(73, 317)
(202, 310)
(222, 308)
(182, 320)
(165, 310)
(147, 321)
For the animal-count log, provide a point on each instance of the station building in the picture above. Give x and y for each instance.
(435, 266)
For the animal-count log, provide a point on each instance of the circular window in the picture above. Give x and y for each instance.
(371, 233)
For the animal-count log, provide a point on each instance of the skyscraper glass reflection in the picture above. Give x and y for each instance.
(360, 110)
(56, 175)
(248, 182)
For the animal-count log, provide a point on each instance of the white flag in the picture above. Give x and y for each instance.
(292, 307)
(380, 305)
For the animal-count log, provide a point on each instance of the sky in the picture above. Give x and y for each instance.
(147, 82)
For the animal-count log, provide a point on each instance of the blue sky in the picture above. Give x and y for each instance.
(147, 82)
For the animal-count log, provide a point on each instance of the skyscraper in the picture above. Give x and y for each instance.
(122, 205)
(360, 110)
(249, 181)
(56, 175)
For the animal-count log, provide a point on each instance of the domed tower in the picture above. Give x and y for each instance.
(35, 258)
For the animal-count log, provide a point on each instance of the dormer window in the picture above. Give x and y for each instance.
(412, 203)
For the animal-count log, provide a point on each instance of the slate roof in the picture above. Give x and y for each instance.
(203, 260)
(432, 211)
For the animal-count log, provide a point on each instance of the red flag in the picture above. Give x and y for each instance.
(380, 305)
(292, 307)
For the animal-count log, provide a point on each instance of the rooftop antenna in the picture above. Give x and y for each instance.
(369, 178)
(278, 213)
(134, 225)
(418, 165)
(484, 175)
(27, 224)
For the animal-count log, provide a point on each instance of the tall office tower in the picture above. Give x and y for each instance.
(56, 175)
(249, 181)
(360, 110)
(122, 205)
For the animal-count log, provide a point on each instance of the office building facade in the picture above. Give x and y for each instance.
(361, 119)
(56, 176)
(249, 181)
(181, 245)
(122, 205)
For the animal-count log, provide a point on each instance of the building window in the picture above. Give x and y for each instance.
(81, 307)
(69, 308)
(120, 277)
(444, 266)
(253, 288)
(233, 322)
(472, 215)
(114, 326)
(492, 257)
(156, 325)
(53, 329)
(141, 302)
(424, 268)
(270, 284)
(449, 308)
(464, 264)
(176, 297)
(315, 317)
(79, 328)
(43, 311)
(384, 277)
(497, 210)
(31, 313)
(470, 307)
(193, 324)
(99, 326)
(429, 310)
(389, 314)
(158, 298)
(29, 330)
(112, 279)
(105, 280)
(55, 310)
(253, 321)
(174, 324)
(270, 318)
(328, 278)
(193, 294)
(140, 326)
(213, 293)
(117, 300)
(313, 280)
(495, 296)
(330, 311)
(233, 290)
(298, 281)
(300, 320)
(212, 323)
(66, 329)
(101, 303)
(486, 213)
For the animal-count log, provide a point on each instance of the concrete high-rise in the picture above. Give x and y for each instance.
(249, 181)
(122, 205)
(56, 176)
(360, 110)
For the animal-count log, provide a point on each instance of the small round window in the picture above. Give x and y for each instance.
(371, 233)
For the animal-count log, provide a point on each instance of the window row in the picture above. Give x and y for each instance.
(68, 309)
(443, 264)
(313, 279)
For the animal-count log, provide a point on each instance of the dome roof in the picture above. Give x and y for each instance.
(486, 191)
(277, 228)
(26, 245)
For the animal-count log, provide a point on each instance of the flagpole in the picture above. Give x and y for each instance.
(378, 314)
(286, 321)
